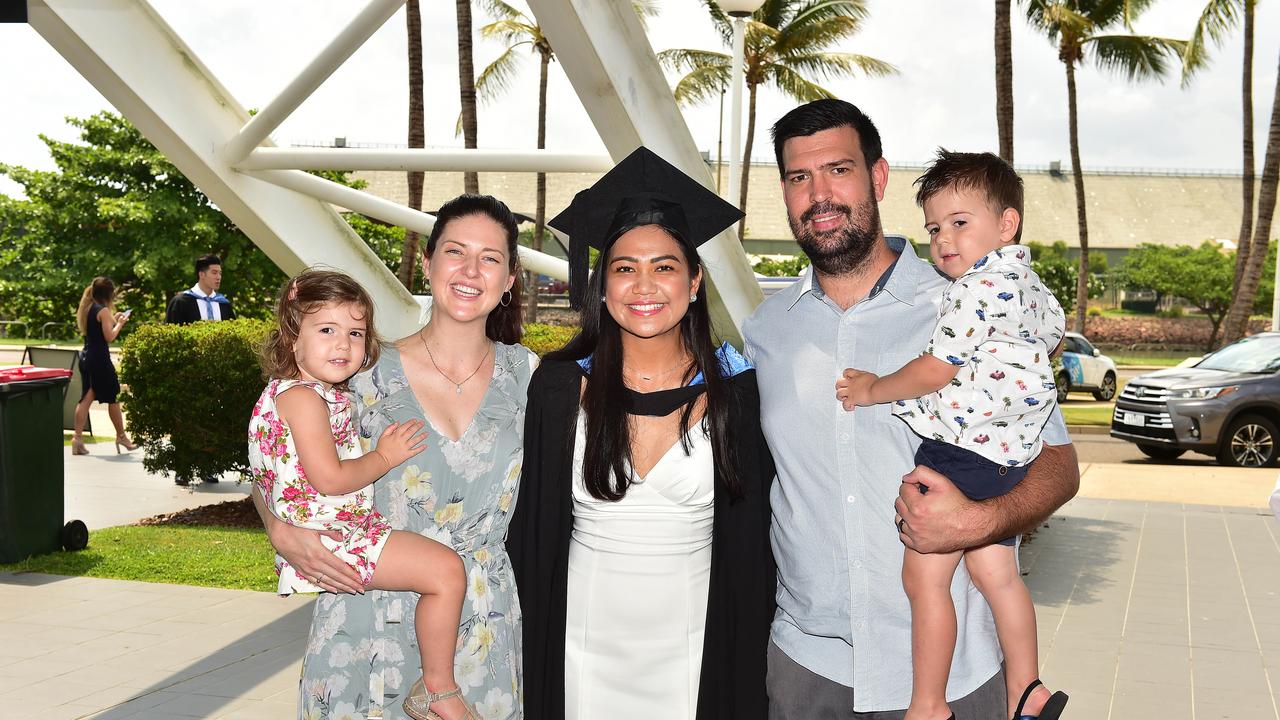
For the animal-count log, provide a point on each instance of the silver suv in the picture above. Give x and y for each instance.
(1227, 405)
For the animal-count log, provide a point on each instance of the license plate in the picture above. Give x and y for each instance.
(1135, 419)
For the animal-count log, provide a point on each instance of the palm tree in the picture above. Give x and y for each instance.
(1077, 27)
(467, 89)
(785, 42)
(1238, 315)
(1004, 80)
(417, 139)
(1217, 19)
(519, 31)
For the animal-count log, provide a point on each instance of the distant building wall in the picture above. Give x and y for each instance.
(1124, 209)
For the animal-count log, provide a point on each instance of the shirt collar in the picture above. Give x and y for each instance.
(899, 279)
(195, 290)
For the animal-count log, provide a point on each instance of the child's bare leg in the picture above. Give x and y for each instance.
(927, 580)
(412, 562)
(994, 570)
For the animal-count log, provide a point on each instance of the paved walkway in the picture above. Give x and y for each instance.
(1157, 591)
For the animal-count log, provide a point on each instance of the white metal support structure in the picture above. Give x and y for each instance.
(604, 51)
(127, 51)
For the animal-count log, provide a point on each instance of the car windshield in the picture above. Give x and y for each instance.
(1259, 354)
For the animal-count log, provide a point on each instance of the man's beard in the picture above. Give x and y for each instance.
(844, 250)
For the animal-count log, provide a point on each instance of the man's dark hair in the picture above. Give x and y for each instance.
(819, 115)
(204, 262)
(984, 172)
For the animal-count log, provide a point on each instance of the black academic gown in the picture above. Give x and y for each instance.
(743, 585)
(185, 308)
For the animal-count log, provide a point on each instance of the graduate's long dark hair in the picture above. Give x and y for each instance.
(608, 448)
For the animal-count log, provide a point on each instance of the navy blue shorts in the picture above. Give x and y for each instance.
(976, 476)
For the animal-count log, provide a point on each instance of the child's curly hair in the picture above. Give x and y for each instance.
(302, 295)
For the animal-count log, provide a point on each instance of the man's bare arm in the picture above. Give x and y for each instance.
(944, 520)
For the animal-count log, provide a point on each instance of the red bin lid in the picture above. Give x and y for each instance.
(30, 372)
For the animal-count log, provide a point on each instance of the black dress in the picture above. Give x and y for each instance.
(743, 584)
(96, 371)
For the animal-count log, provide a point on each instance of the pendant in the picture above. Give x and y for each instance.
(458, 388)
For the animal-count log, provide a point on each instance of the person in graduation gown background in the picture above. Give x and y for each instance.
(640, 536)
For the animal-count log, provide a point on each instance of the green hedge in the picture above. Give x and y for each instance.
(191, 389)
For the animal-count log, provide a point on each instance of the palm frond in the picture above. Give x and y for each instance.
(1055, 18)
(722, 22)
(793, 84)
(834, 65)
(1137, 57)
(495, 79)
(645, 9)
(702, 84)
(510, 31)
(1110, 12)
(499, 10)
(685, 60)
(1217, 19)
(815, 36)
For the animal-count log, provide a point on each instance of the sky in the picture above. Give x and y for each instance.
(943, 96)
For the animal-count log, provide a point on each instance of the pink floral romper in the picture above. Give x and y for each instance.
(274, 467)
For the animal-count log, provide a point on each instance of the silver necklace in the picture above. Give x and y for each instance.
(457, 386)
(662, 374)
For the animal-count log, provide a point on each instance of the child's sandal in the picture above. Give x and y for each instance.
(1052, 709)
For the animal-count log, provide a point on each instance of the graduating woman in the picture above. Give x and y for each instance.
(640, 539)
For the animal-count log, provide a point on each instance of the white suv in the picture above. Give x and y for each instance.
(1085, 368)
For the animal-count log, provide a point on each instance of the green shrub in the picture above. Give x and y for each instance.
(542, 339)
(191, 390)
(1094, 312)
(789, 267)
(1174, 311)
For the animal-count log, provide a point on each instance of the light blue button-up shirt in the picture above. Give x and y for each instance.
(842, 612)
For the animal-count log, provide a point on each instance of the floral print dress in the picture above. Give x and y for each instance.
(276, 470)
(363, 655)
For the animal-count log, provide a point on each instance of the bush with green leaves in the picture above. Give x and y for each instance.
(543, 339)
(789, 267)
(191, 390)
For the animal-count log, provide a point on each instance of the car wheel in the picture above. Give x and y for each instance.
(1064, 385)
(1249, 442)
(1161, 452)
(1107, 390)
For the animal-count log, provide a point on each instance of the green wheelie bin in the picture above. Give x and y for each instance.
(31, 465)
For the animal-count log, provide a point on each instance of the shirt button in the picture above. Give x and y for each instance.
(844, 437)
(850, 499)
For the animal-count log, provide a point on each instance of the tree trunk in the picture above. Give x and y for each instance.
(1246, 173)
(1004, 80)
(540, 207)
(467, 89)
(1082, 281)
(1238, 316)
(746, 158)
(417, 139)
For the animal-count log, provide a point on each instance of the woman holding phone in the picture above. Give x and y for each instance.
(100, 324)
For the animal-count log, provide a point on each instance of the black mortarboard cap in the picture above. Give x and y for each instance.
(642, 189)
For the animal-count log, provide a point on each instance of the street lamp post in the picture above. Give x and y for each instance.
(739, 10)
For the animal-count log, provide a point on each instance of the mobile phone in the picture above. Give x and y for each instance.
(128, 312)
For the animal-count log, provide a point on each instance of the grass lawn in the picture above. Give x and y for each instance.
(221, 557)
(1122, 358)
(22, 342)
(1077, 415)
(88, 439)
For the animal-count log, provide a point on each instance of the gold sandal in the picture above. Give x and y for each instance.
(418, 703)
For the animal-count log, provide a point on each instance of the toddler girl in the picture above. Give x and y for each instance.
(303, 419)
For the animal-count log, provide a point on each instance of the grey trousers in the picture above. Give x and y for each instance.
(796, 693)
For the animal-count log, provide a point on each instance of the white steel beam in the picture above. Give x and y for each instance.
(427, 160)
(346, 42)
(131, 56)
(604, 51)
(394, 213)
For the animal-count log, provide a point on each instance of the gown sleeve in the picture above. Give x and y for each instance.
(538, 535)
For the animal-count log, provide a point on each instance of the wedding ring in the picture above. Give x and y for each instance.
(902, 523)
(322, 578)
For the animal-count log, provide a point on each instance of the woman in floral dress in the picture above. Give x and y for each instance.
(465, 376)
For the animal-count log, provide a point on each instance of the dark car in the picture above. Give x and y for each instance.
(1226, 405)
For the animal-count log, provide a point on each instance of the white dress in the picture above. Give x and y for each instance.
(639, 573)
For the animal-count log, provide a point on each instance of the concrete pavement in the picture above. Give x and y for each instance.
(1157, 591)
